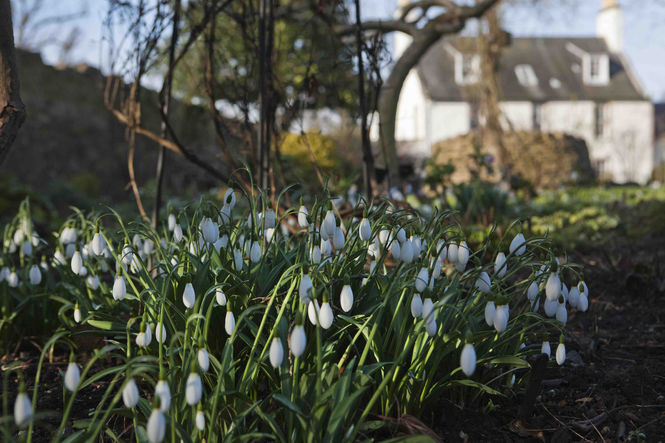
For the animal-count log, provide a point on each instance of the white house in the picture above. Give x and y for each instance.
(581, 86)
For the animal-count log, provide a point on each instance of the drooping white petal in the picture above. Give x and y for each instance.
(193, 389)
(22, 410)
(468, 359)
(298, 341)
(156, 428)
(72, 376)
(346, 298)
(276, 352)
(130, 394)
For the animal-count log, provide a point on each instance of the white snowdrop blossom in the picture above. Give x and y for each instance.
(500, 266)
(468, 359)
(35, 275)
(546, 349)
(483, 283)
(119, 289)
(276, 352)
(518, 245)
(130, 394)
(364, 230)
(156, 427)
(203, 359)
(302, 216)
(298, 341)
(72, 376)
(193, 389)
(416, 306)
(346, 298)
(490, 312)
(188, 296)
(22, 410)
(229, 322)
(553, 287)
(561, 354)
(163, 391)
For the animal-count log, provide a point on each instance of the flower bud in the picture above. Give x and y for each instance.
(72, 375)
(483, 283)
(338, 239)
(561, 354)
(35, 275)
(76, 263)
(298, 341)
(276, 352)
(518, 245)
(193, 389)
(500, 266)
(119, 289)
(346, 298)
(22, 410)
(203, 359)
(188, 296)
(156, 427)
(364, 230)
(553, 287)
(501, 318)
(490, 312)
(302, 216)
(416, 306)
(229, 322)
(468, 359)
(422, 279)
(326, 316)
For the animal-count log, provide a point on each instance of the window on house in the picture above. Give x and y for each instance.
(526, 75)
(597, 69)
(599, 120)
(537, 116)
(467, 69)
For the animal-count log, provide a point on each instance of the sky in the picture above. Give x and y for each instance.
(643, 32)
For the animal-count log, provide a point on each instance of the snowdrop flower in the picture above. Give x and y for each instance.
(573, 297)
(305, 288)
(130, 394)
(98, 244)
(326, 248)
(72, 375)
(561, 354)
(483, 283)
(160, 333)
(230, 198)
(428, 308)
(188, 296)
(364, 229)
(127, 256)
(453, 250)
(315, 255)
(561, 313)
(84, 271)
(551, 306)
(204, 359)
(422, 279)
(298, 340)
(35, 275)
(164, 393)
(193, 389)
(326, 316)
(501, 318)
(518, 245)
(545, 349)
(77, 313)
(156, 428)
(436, 271)
(532, 292)
(200, 420)
(302, 216)
(276, 352)
(269, 218)
(553, 287)
(416, 306)
(12, 279)
(384, 236)
(313, 312)
(93, 282)
(18, 236)
(59, 258)
(119, 289)
(237, 259)
(395, 249)
(220, 297)
(69, 251)
(406, 254)
(431, 327)
(77, 262)
(26, 249)
(500, 266)
(229, 321)
(583, 304)
(338, 239)
(177, 233)
(490, 313)
(462, 257)
(144, 337)
(172, 222)
(401, 235)
(255, 253)
(346, 298)
(22, 408)
(210, 230)
(468, 359)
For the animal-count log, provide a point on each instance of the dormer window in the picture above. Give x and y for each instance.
(467, 69)
(525, 75)
(596, 69)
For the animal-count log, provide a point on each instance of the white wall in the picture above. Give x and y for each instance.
(520, 114)
(411, 119)
(448, 119)
(628, 141)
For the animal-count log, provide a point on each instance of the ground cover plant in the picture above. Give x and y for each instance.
(251, 321)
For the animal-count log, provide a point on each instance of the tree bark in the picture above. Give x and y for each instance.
(12, 110)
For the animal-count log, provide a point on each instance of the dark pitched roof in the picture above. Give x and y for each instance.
(549, 58)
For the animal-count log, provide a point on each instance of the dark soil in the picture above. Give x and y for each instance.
(612, 386)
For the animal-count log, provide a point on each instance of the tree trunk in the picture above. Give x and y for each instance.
(12, 110)
(389, 96)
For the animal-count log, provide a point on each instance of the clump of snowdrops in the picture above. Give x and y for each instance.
(285, 324)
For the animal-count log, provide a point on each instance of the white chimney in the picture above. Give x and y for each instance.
(609, 25)
(401, 40)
